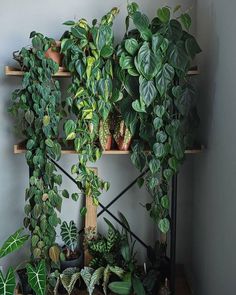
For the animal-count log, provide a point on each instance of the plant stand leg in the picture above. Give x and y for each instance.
(173, 233)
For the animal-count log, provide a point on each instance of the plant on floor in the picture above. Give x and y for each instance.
(154, 60)
(37, 106)
(12, 244)
(88, 51)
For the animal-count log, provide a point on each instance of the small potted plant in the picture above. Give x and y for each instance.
(71, 256)
(122, 135)
(105, 137)
(54, 52)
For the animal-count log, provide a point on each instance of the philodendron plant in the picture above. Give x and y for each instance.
(88, 51)
(154, 60)
(37, 105)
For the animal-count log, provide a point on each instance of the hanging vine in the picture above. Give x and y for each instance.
(37, 106)
(88, 54)
(154, 60)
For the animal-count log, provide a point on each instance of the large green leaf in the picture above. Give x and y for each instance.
(138, 286)
(13, 243)
(178, 57)
(69, 234)
(37, 277)
(147, 63)
(7, 284)
(163, 14)
(141, 22)
(164, 78)
(69, 277)
(91, 277)
(131, 46)
(147, 91)
(121, 288)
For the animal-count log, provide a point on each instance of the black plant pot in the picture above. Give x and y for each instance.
(24, 285)
(78, 262)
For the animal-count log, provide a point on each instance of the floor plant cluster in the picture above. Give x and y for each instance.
(136, 94)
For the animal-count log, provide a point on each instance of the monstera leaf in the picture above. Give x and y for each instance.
(13, 243)
(37, 277)
(69, 277)
(69, 234)
(91, 277)
(7, 284)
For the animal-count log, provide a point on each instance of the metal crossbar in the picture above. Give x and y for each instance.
(105, 208)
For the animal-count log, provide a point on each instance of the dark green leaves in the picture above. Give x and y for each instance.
(139, 106)
(106, 51)
(141, 22)
(147, 63)
(178, 57)
(192, 47)
(186, 20)
(79, 32)
(159, 150)
(37, 277)
(70, 128)
(154, 165)
(7, 284)
(147, 91)
(164, 78)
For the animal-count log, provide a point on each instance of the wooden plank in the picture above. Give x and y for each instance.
(20, 149)
(90, 220)
(11, 71)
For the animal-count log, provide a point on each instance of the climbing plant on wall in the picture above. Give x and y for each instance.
(37, 106)
(154, 60)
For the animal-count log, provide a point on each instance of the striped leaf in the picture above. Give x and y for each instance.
(7, 284)
(13, 243)
(37, 277)
(69, 235)
(69, 277)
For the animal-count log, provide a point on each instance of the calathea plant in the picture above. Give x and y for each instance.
(88, 51)
(154, 60)
(37, 105)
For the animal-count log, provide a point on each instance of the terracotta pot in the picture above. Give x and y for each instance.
(122, 145)
(108, 143)
(54, 53)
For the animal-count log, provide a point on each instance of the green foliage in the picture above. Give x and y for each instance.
(153, 63)
(69, 277)
(88, 51)
(37, 277)
(37, 106)
(13, 243)
(7, 284)
(91, 277)
(69, 235)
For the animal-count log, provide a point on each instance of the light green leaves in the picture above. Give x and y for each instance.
(154, 165)
(7, 284)
(70, 128)
(164, 225)
(138, 106)
(131, 46)
(69, 235)
(186, 20)
(37, 277)
(69, 277)
(121, 288)
(13, 243)
(163, 14)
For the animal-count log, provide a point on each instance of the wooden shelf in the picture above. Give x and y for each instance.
(20, 149)
(11, 71)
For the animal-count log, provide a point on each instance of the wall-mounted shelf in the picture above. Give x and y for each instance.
(11, 71)
(20, 149)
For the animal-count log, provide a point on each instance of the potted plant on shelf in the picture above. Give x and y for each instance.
(105, 136)
(54, 52)
(71, 254)
(122, 135)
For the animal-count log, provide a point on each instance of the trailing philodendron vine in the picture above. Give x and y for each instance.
(37, 105)
(154, 60)
(88, 51)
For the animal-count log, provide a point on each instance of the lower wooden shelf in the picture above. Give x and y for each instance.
(20, 149)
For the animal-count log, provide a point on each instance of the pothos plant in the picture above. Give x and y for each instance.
(37, 105)
(153, 63)
(88, 51)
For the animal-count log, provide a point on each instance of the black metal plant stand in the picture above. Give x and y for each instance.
(173, 218)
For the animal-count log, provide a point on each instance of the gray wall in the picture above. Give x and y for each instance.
(214, 233)
(18, 19)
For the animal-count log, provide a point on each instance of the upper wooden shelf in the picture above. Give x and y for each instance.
(11, 71)
(20, 149)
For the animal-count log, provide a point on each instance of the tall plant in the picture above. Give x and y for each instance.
(154, 60)
(37, 105)
(88, 51)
